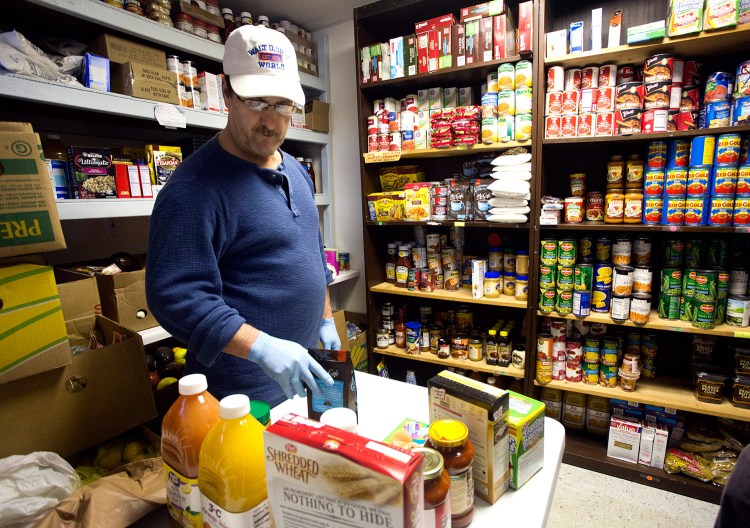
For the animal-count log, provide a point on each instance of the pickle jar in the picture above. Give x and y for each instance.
(437, 484)
(451, 439)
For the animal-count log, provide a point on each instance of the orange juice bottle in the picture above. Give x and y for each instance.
(184, 427)
(232, 472)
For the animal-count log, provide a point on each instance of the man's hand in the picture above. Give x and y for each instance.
(329, 336)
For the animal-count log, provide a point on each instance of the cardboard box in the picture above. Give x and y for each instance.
(445, 49)
(486, 40)
(104, 392)
(504, 35)
(433, 49)
(95, 72)
(123, 298)
(471, 49)
(526, 421)
(32, 330)
(209, 86)
(316, 115)
(458, 43)
(358, 345)
(624, 439)
(145, 82)
(29, 222)
(484, 410)
(525, 26)
(485, 9)
(313, 468)
(417, 201)
(659, 451)
(423, 44)
(396, 53)
(410, 55)
(435, 23)
(385, 61)
(79, 298)
(365, 61)
(120, 51)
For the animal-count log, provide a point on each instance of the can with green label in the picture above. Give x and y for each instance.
(549, 252)
(718, 253)
(584, 277)
(547, 276)
(669, 306)
(722, 284)
(721, 310)
(705, 285)
(673, 253)
(671, 281)
(704, 314)
(547, 301)
(564, 302)
(565, 277)
(567, 250)
(692, 253)
(688, 282)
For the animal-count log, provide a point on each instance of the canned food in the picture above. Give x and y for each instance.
(605, 99)
(722, 208)
(723, 180)
(608, 75)
(718, 87)
(703, 314)
(586, 125)
(625, 74)
(547, 300)
(674, 253)
(675, 96)
(696, 210)
(581, 303)
(506, 128)
(594, 206)
(629, 95)
(605, 124)
(564, 302)
(652, 209)
(741, 215)
(608, 375)
(549, 252)
(698, 180)
(676, 182)
(622, 251)
(620, 307)
(642, 251)
(640, 308)
(591, 350)
(743, 180)
(740, 111)
(565, 277)
(688, 120)
(658, 68)
(573, 209)
(657, 95)
(603, 249)
(558, 370)
(627, 121)
(738, 311)
(427, 280)
(715, 115)
(590, 77)
(566, 254)
(690, 98)
(547, 276)
(642, 279)
(569, 126)
(678, 154)
(544, 343)
(570, 102)
(669, 306)
(583, 277)
(553, 103)
(603, 275)
(622, 280)
(692, 253)
(574, 350)
(586, 249)
(600, 300)
(728, 149)
(705, 288)
(552, 127)
(657, 155)
(573, 79)
(590, 373)
(555, 79)
(673, 211)
(559, 330)
(587, 101)
(573, 371)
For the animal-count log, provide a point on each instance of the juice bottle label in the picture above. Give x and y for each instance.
(183, 498)
(214, 516)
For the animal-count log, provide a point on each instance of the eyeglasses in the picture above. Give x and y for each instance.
(256, 105)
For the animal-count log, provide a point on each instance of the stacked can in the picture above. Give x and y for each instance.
(741, 96)
(510, 88)
(558, 331)
(717, 100)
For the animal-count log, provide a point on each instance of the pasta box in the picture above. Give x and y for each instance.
(624, 439)
(318, 475)
(526, 426)
(484, 409)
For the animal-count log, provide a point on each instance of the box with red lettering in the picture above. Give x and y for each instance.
(322, 476)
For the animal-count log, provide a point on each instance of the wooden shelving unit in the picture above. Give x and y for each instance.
(462, 295)
(464, 364)
(453, 152)
(644, 228)
(740, 129)
(449, 223)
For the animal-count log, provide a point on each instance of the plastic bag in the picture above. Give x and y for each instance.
(31, 485)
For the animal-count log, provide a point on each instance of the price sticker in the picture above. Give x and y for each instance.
(742, 335)
(380, 223)
(382, 157)
(673, 229)
(676, 329)
(459, 224)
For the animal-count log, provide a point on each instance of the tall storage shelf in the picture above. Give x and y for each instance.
(557, 158)
(376, 23)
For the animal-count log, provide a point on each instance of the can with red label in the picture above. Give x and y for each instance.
(629, 95)
(690, 98)
(605, 124)
(590, 77)
(741, 211)
(587, 101)
(696, 210)
(395, 141)
(625, 74)
(657, 155)
(627, 122)
(372, 125)
(570, 102)
(653, 182)
(555, 79)
(586, 125)
(654, 121)
(608, 75)
(552, 127)
(723, 180)
(691, 74)
(605, 99)
(652, 209)
(728, 149)
(553, 103)
(675, 96)
(594, 206)
(722, 209)
(657, 94)
(718, 87)
(678, 153)
(675, 183)
(698, 180)
(572, 79)
(743, 180)
(384, 142)
(658, 68)
(673, 211)
(569, 126)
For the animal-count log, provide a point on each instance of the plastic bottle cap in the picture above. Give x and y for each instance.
(503, 334)
(261, 411)
(341, 418)
(192, 384)
(493, 331)
(522, 252)
(234, 406)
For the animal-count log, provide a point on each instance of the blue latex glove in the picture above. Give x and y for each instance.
(329, 336)
(288, 364)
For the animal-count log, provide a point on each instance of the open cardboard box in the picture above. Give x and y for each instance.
(358, 345)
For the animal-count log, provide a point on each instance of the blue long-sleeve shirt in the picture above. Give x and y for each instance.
(229, 245)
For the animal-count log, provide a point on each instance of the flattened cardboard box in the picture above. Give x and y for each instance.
(29, 222)
(103, 393)
(32, 330)
(123, 298)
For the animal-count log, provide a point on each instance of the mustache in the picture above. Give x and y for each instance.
(266, 131)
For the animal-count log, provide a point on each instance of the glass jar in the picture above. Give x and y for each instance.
(390, 263)
(476, 352)
(633, 208)
(212, 6)
(594, 206)
(263, 21)
(436, 334)
(522, 287)
(578, 184)
(437, 484)
(400, 337)
(403, 263)
(246, 18)
(229, 23)
(199, 28)
(522, 262)
(444, 348)
(451, 439)
(634, 169)
(213, 34)
(492, 284)
(383, 338)
(614, 206)
(616, 172)
(184, 22)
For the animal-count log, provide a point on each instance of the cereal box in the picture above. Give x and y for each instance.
(417, 201)
(484, 410)
(321, 476)
(526, 421)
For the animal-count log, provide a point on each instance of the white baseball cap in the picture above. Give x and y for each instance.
(261, 62)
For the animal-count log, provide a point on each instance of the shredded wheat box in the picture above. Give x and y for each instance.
(321, 476)
(484, 410)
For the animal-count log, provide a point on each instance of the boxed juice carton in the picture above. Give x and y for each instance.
(319, 475)
(526, 421)
(91, 172)
(484, 410)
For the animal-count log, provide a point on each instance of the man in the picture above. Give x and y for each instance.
(236, 267)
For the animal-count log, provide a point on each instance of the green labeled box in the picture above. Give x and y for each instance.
(526, 422)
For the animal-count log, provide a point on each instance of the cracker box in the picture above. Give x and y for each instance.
(417, 201)
(526, 421)
(484, 410)
(624, 439)
(321, 476)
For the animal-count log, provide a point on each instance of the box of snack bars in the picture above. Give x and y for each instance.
(318, 475)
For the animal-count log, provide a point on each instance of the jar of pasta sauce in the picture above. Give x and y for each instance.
(451, 439)
(437, 484)
(614, 208)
